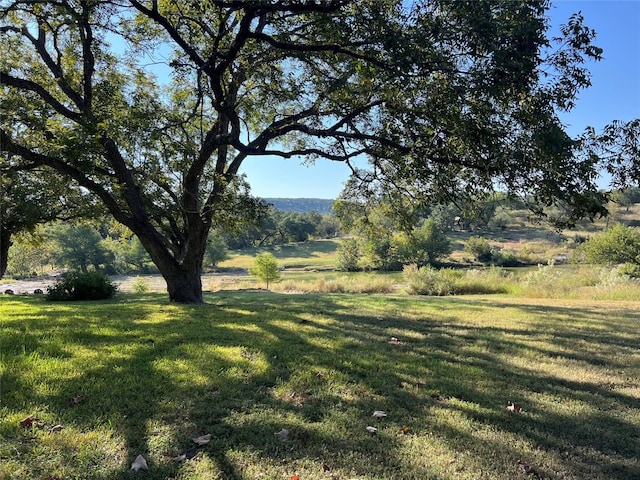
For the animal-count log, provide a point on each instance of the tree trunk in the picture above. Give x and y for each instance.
(184, 286)
(5, 243)
(182, 274)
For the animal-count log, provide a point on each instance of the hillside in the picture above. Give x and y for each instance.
(302, 205)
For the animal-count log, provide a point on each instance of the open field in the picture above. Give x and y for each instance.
(96, 384)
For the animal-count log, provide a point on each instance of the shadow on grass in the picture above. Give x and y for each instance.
(247, 365)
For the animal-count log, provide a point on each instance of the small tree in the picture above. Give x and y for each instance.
(217, 250)
(348, 255)
(265, 268)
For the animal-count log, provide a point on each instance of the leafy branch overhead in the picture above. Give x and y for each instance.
(153, 107)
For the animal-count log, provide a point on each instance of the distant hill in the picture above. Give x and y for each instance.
(302, 205)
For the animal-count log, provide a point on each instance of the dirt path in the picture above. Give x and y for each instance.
(126, 283)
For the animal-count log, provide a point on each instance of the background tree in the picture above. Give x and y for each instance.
(626, 197)
(445, 98)
(217, 250)
(79, 247)
(27, 199)
(349, 255)
(425, 245)
(265, 268)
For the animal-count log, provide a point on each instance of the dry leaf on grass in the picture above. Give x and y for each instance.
(514, 407)
(188, 455)
(282, 435)
(77, 400)
(405, 430)
(203, 440)
(139, 464)
(55, 428)
(372, 430)
(27, 422)
(379, 414)
(295, 477)
(524, 467)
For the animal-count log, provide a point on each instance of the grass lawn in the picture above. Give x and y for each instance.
(310, 255)
(87, 387)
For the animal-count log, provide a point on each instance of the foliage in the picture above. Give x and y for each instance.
(480, 248)
(79, 246)
(74, 286)
(28, 199)
(217, 250)
(444, 100)
(619, 244)
(423, 246)
(349, 255)
(265, 268)
(426, 280)
(139, 285)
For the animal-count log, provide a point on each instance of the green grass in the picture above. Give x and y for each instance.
(153, 375)
(311, 255)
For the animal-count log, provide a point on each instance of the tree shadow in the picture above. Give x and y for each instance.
(245, 366)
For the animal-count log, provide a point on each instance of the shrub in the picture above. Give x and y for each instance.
(424, 246)
(82, 286)
(619, 244)
(139, 285)
(479, 248)
(428, 281)
(348, 255)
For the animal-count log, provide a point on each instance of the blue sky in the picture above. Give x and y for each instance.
(615, 95)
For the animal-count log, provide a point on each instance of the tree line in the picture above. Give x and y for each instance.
(89, 245)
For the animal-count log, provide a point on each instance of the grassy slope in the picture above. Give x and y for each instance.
(247, 365)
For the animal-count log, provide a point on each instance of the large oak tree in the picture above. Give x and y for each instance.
(153, 105)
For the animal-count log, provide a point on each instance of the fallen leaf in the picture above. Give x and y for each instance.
(203, 440)
(188, 455)
(139, 464)
(405, 430)
(295, 477)
(283, 435)
(524, 467)
(26, 423)
(325, 468)
(77, 400)
(372, 430)
(379, 414)
(395, 340)
(514, 407)
(56, 428)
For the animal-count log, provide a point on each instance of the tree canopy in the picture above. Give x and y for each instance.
(153, 105)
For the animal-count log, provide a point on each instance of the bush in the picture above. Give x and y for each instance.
(429, 281)
(82, 286)
(619, 244)
(479, 248)
(424, 246)
(139, 285)
(348, 255)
